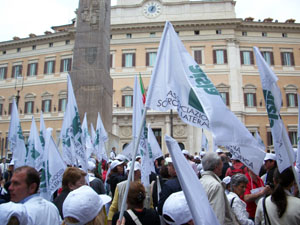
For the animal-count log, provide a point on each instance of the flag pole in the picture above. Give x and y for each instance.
(132, 164)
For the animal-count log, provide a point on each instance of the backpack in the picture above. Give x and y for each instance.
(237, 170)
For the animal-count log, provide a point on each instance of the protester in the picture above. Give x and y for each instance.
(270, 166)
(24, 189)
(176, 210)
(136, 210)
(254, 191)
(212, 165)
(116, 175)
(226, 181)
(171, 186)
(9, 172)
(237, 167)
(85, 206)
(3, 166)
(113, 153)
(14, 213)
(238, 186)
(4, 195)
(226, 165)
(95, 182)
(73, 178)
(120, 191)
(281, 207)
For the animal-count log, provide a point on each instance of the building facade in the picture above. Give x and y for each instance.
(220, 43)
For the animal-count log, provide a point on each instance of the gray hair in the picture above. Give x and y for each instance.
(210, 161)
(237, 179)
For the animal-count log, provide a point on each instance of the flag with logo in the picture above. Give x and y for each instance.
(298, 136)
(71, 133)
(16, 138)
(259, 140)
(153, 144)
(34, 156)
(53, 168)
(198, 203)
(144, 151)
(86, 138)
(100, 139)
(272, 96)
(176, 67)
(204, 142)
(42, 133)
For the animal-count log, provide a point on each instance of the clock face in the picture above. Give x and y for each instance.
(152, 9)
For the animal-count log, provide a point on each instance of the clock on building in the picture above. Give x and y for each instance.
(152, 9)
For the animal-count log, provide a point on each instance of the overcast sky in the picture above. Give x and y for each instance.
(22, 17)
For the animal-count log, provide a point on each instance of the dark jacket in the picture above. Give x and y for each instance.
(59, 200)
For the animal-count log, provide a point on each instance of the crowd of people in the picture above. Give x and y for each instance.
(236, 194)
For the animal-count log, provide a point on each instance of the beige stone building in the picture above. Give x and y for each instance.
(222, 44)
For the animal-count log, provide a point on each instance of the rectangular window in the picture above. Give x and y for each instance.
(128, 35)
(292, 100)
(244, 33)
(1, 109)
(269, 138)
(67, 42)
(196, 32)
(127, 100)
(3, 72)
(32, 69)
(218, 31)
(198, 56)
(264, 34)
(150, 58)
(287, 58)
(49, 67)
(247, 58)
(9, 108)
(152, 34)
(65, 65)
(50, 45)
(269, 57)
(225, 97)
(128, 60)
(46, 106)
(157, 134)
(250, 99)
(62, 104)
(29, 107)
(293, 137)
(284, 35)
(220, 56)
(33, 47)
(17, 71)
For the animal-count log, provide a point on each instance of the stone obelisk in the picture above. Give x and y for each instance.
(92, 84)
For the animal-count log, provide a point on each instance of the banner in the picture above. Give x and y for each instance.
(86, 138)
(204, 142)
(100, 139)
(153, 144)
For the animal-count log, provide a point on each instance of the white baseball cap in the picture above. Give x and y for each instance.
(121, 157)
(168, 160)
(185, 152)
(177, 209)
(13, 209)
(115, 163)
(226, 180)
(137, 166)
(84, 204)
(219, 150)
(270, 156)
(91, 165)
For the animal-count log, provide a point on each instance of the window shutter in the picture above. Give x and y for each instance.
(21, 70)
(9, 108)
(272, 58)
(111, 61)
(214, 57)
(287, 100)
(296, 99)
(245, 99)
(5, 72)
(147, 58)
(227, 98)
(70, 65)
(53, 67)
(1, 109)
(242, 58)
(28, 69)
(59, 105)
(292, 59)
(61, 65)
(26, 108)
(133, 59)
(198, 56)
(123, 60)
(13, 72)
(254, 99)
(32, 107)
(43, 106)
(50, 103)
(282, 59)
(269, 138)
(225, 56)
(291, 137)
(123, 100)
(45, 67)
(131, 100)
(251, 58)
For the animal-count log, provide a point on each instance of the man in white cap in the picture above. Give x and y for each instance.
(120, 191)
(95, 182)
(270, 166)
(24, 190)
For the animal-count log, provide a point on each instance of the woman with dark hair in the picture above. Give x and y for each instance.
(115, 175)
(280, 207)
(136, 213)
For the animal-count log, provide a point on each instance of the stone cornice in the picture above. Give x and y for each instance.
(273, 26)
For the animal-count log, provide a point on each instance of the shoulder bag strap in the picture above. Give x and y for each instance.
(134, 217)
(265, 211)
(232, 200)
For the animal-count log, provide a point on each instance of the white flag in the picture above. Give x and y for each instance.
(86, 138)
(272, 97)
(204, 142)
(53, 168)
(100, 139)
(42, 133)
(153, 144)
(128, 151)
(298, 136)
(192, 188)
(176, 66)
(35, 151)
(145, 152)
(259, 140)
(16, 138)
(71, 133)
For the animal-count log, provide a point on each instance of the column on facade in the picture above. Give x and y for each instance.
(115, 127)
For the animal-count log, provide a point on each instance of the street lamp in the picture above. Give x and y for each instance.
(19, 82)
